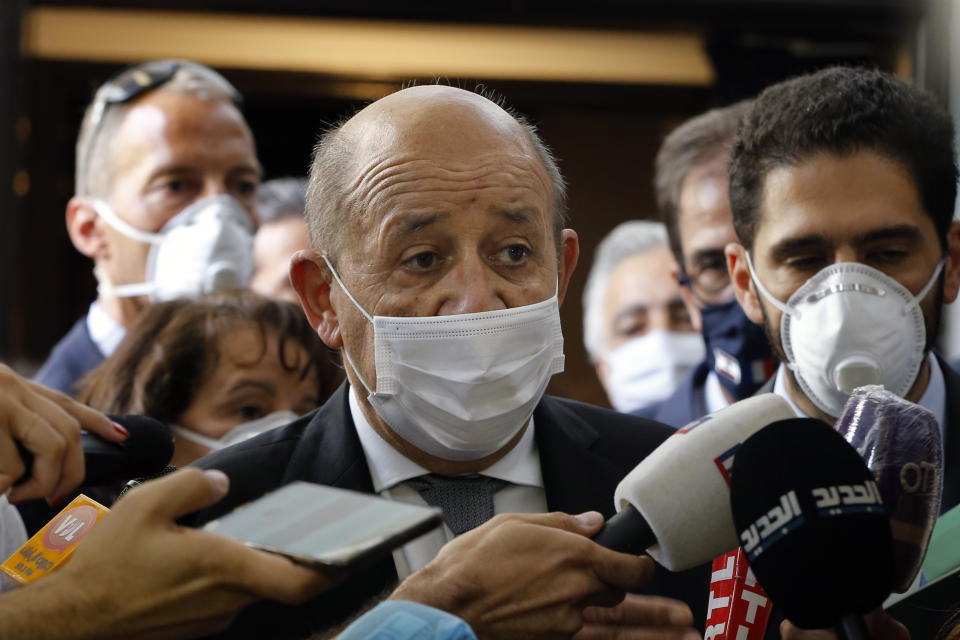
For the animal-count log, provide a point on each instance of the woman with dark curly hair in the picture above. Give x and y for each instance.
(210, 365)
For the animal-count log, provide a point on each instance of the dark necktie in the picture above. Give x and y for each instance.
(466, 501)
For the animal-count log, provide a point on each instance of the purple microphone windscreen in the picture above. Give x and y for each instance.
(811, 522)
(901, 444)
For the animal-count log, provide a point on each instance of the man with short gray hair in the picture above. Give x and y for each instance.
(165, 203)
(636, 327)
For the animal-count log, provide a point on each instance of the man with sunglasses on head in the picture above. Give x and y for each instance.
(165, 201)
(691, 189)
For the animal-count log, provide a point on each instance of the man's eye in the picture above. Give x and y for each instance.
(515, 253)
(422, 261)
(246, 187)
(805, 263)
(889, 256)
(175, 186)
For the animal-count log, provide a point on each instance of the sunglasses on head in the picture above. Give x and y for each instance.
(135, 81)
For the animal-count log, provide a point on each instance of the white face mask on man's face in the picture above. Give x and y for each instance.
(647, 369)
(461, 387)
(848, 326)
(205, 248)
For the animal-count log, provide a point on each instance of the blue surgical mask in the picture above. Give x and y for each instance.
(737, 349)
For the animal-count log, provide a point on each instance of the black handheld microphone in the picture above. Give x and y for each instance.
(812, 522)
(147, 451)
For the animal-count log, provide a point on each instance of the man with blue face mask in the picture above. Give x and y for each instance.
(842, 185)
(165, 201)
(691, 188)
(439, 258)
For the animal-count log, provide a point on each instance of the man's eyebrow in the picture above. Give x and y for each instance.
(789, 247)
(418, 222)
(522, 216)
(629, 311)
(906, 232)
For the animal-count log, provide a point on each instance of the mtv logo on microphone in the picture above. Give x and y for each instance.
(55, 542)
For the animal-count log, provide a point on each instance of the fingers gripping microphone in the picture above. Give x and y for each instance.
(901, 444)
(147, 451)
(675, 504)
(812, 524)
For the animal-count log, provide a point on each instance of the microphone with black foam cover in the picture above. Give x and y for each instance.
(812, 523)
(146, 451)
(675, 504)
(901, 444)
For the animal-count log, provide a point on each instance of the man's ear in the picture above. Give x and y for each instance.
(311, 278)
(569, 254)
(693, 310)
(742, 282)
(85, 234)
(951, 270)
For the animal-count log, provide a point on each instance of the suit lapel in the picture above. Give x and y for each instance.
(329, 451)
(575, 478)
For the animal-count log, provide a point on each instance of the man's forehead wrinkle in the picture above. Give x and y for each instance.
(385, 179)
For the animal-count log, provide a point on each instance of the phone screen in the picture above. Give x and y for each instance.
(332, 527)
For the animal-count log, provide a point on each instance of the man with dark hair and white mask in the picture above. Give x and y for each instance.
(842, 185)
(439, 258)
(636, 327)
(164, 201)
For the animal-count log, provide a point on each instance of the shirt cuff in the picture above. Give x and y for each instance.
(404, 620)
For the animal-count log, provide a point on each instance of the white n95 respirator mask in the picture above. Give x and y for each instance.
(240, 432)
(848, 326)
(205, 248)
(461, 387)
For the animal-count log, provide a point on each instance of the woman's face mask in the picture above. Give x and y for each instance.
(239, 433)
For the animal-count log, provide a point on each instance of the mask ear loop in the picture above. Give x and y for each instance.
(104, 211)
(365, 314)
(198, 438)
(766, 294)
(776, 303)
(926, 288)
(104, 286)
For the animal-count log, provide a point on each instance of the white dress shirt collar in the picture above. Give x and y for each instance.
(105, 332)
(389, 467)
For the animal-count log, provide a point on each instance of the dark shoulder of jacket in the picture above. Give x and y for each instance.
(616, 432)
(255, 467)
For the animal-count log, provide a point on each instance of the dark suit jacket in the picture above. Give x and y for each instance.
(687, 403)
(584, 453)
(70, 359)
